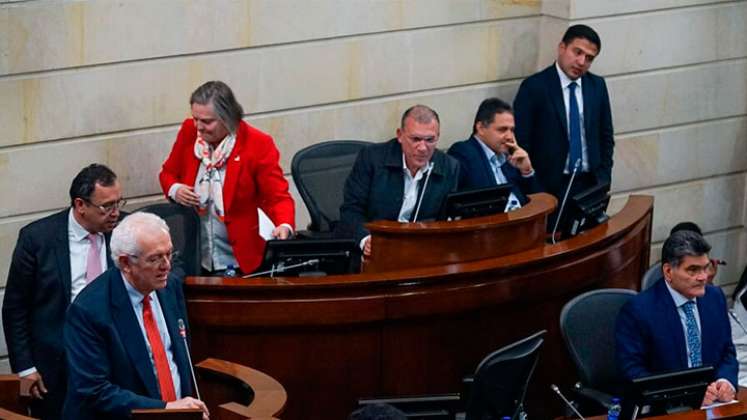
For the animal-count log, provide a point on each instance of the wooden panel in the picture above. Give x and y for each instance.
(334, 339)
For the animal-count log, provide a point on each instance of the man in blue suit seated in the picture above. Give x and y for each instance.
(679, 323)
(492, 157)
(122, 332)
(405, 179)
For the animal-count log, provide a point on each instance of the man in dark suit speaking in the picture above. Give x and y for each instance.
(679, 323)
(492, 157)
(122, 333)
(54, 259)
(563, 117)
(404, 179)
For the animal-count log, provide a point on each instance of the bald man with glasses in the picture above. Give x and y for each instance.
(54, 259)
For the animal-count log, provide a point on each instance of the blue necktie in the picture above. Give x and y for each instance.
(574, 124)
(693, 335)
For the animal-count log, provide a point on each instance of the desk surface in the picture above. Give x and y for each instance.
(331, 340)
(732, 411)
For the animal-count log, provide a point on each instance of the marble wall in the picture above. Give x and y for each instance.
(108, 81)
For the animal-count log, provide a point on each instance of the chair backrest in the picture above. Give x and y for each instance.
(651, 276)
(319, 172)
(184, 226)
(587, 323)
(502, 378)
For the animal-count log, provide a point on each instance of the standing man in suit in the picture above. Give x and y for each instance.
(679, 323)
(54, 259)
(122, 333)
(492, 157)
(405, 179)
(563, 117)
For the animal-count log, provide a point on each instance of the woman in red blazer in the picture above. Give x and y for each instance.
(227, 169)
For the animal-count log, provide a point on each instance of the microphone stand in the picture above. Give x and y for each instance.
(576, 166)
(281, 268)
(568, 403)
(183, 333)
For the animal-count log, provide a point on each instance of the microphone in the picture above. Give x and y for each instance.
(422, 193)
(576, 167)
(281, 268)
(568, 403)
(183, 333)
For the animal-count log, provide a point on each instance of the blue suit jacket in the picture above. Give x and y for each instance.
(375, 187)
(476, 172)
(649, 336)
(110, 370)
(542, 128)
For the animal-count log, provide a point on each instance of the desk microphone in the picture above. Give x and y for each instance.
(422, 193)
(576, 167)
(183, 333)
(568, 403)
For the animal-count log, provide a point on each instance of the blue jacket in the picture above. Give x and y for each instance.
(649, 336)
(110, 372)
(375, 187)
(476, 172)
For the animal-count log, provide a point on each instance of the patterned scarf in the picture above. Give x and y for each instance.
(209, 187)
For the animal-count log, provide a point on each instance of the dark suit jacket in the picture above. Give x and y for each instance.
(542, 128)
(375, 187)
(649, 336)
(110, 370)
(37, 295)
(476, 172)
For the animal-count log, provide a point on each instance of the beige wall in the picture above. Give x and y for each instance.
(108, 81)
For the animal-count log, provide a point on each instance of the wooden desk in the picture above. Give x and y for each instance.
(330, 340)
(731, 411)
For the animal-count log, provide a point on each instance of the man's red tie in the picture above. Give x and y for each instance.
(165, 382)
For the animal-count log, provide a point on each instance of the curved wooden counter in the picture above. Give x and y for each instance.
(330, 340)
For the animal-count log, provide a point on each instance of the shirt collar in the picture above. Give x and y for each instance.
(679, 300)
(418, 174)
(135, 296)
(489, 153)
(564, 79)
(75, 231)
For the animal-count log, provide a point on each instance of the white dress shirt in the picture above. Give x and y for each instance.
(79, 244)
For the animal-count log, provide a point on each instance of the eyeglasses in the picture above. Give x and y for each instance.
(108, 208)
(157, 259)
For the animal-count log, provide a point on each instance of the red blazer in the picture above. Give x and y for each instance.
(253, 180)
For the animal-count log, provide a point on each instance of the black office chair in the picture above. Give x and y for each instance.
(184, 225)
(500, 382)
(319, 172)
(651, 276)
(497, 388)
(587, 323)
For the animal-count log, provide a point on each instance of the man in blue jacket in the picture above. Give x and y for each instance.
(123, 337)
(679, 323)
(563, 117)
(492, 157)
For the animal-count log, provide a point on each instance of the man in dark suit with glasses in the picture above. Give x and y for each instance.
(54, 259)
